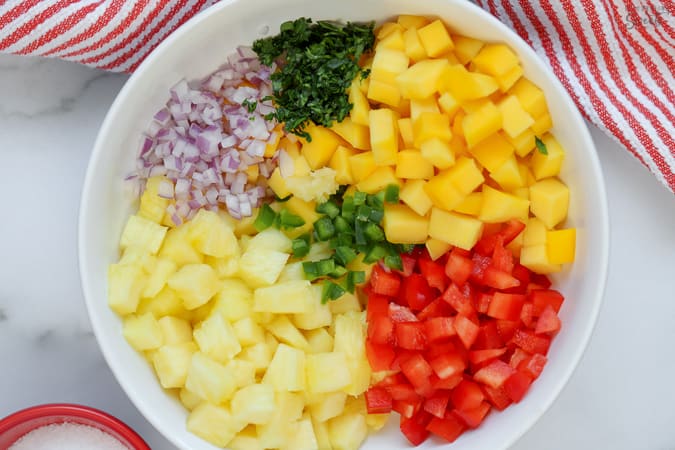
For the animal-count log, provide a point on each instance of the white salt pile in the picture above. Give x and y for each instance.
(67, 436)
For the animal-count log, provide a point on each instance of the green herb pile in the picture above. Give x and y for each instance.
(318, 62)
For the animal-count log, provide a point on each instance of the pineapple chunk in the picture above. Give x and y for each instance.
(321, 433)
(247, 331)
(246, 439)
(175, 330)
(165, 303)
(125, 284)
(210, 379)
(261, 266)
(327, 406)
(327, 372)
(211, 235)
(455, 229)
(292, 272)
(319, 341)
(317, 185)
(270, 239)
(234, 300)
(302, 436)
(177, 247)
(282, 328)
(319, 317)
(216, 338)
(195, 284)
(152, 206)
(189, 399)
(172, 362)
(402, 225)
(163, 269)
(288, 297)
(277, 431)
(243, 372)
(347, 431)
(377, 421)
(471, 204)
(258, 354)
(349, 302)
(253, 404)
(286, 371)
(142, 332)
(143, 233)
(213, 424)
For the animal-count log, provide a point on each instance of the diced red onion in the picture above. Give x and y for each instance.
(286, 164)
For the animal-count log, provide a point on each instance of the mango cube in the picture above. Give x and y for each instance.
(405, 130)
(466, 85)
(515, 120)
(548, 165)
(387, 64)
(534, 233)
(530, 97)
(358, 136)
(442, 192)
(435, 38)
(431, 125)
(508, 79)
(471, 205)
(509, 175)
(408, 21)
(436, 248)
(536, 259)
(455, 229)
(481, 123)
(411, 164)
(383, 136)
(495, 59)
(319, 151)
(498, 206)
(386, 29)
(449, 104)
(378, 180)
(492, 152)
(402, 225)
(420, 105)
(385, 92)
(421, 79)
(339, 162)
(542, 124)
(523, 143)
(414, 195)
(413, 45)
(360, 105)
(466, 48)
(393, 40)
(549, 201)
(560, 245)
(437, 152)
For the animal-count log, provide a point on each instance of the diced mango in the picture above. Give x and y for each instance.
(339, 162)
(392, 40)
(360, 105)
(384, 92)
(420, 105)
(465, 175)
(535, 258)
(378, 180)
(357, 135)
(405, 130)
(436, 248)
(383, 136)
(277, 184)
(492, 152)
(509, 175)
(561, 245)
(466, 48)
(413, 46)
(498, 206)
(495, 59)
(449, 104)
(319, 151)
(549, 201)
(515, 120)
(421, 79)
(534, 233)
(523, 143)
(435, 38)
(388, 64)
(455, 229)
(542, 124)
(465, 85)
(442, 193)
(549, 164)
(437, 152)
(408, 21)
(431, 125)
(481, 123)
(530, 96)
(412, 164)
(414, 195)
(471, 205)
(402, 225)
(386, 29)
(508, 79)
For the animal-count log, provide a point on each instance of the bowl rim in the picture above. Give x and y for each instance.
(584, 136)
(75, 411)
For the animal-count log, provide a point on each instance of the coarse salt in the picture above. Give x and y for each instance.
(67, 436)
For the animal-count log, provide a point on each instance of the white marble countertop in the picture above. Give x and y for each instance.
(620, 397)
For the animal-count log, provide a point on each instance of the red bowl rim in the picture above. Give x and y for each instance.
(76, 411)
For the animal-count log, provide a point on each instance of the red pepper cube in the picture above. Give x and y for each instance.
(448, 364)
(380, 356)
(417, 370)
(415, 431)
(437, 307)
(437, 403)
(378, 400)
(416, 292)
(497, 397)
(530, 342)
(448, 428)
(473, 417)
(540, 298)
(494, 374)
(548, 322)
(381, 330)
(439, 328)
(383, 282)
(434, 273)
(466, 330)
(410, 335)
(483, 356)
(533, 365)
(517, 385)
(458, 268)
(460, 301)
(502, 258)
(498, 279)
(467, 395)
(378, 305)
(506, 306)
(398, 313)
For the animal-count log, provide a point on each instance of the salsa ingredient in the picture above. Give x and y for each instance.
(317, 63)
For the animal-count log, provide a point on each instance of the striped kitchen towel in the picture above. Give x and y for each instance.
(615, 57)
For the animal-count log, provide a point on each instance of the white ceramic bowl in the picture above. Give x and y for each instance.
(198, 48)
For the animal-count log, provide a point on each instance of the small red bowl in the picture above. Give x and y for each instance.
(13, 427)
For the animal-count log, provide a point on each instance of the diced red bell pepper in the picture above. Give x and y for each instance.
(466, 330)
(403, 391)
(391, 379)
(437, 403)
(540, 279)
(458, 300)
(414, 430)
(408, 262)
(494, 374)
(378, 400)
(488, 336)
(473, 417)
(498, 279)
(478, 265)
(439, 328)
(530, 342)
(508, 232)
(416, 292)
(467, 395)
(548, 321)
(517, 385)
(436, 308)
(483, 300)
(446, 383)
(417, 370)
(383, 282)
(434, 273)
(410, 335)
(533, 365)
(405, 408)
(506, 306)
(519, 355)
(526, 315)
(482, 356)
(522, 273)
(398, 313)
(497, 397)
(507, 328)
(449, 428)
(447, 365)
(540, 298)
(381, 330)
(502, 258)
(378, 305)
(458, 268)
(380, 356)
(441, 348)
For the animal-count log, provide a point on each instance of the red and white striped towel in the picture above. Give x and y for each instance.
(615, 57)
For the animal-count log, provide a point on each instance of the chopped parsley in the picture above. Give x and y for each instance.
(318, 62)
(541, 147)
(250, 105)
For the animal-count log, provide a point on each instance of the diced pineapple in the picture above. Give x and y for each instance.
(244, 226)
(285, 298)
(213, 424)
(348, 301)
(360, 372)
(276, 432)
(321, 433)
(211, 235)
(209, 379)
(195, 284)
(125, 284)
(286, 371)
(326, 372)
(347, 431)
(560, 245)
(189, 399)
(302, 437)
(282, 328)
(216, 338)
(163, 269)
(455, 229)
(177, 247)
(402, 225)
(175, 330)
(435, 38)
(258, 354)
(261, 266)
(142, 332)
(253, 404)
(549, 201)
(383, 136)
(421, 79)
(246, 439)
(172, 362)
(317, 185)
(438, 152)
(242, 371)
(414, 195)
(234, 300)
(139, 256)
(327, 406)
(319, 341)
(549, 164)
(165, 303)
(319, 151)
(247, 331)
(143, 233)
(152, 206)
(377, 421)
(320, 316)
